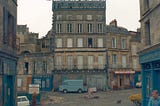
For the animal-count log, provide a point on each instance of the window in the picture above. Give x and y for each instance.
(47, 82)
(89, 17)
(19, 82)
(59, 42)
(80, 62)
(100, 28)
(69, 42)
(37, 81)
(100, 62)
(70, 62)
(99, 17)
(114, 60)
(9, 31)
(4, 26)
(69, 17)
(147, 33)
(134, 49)
(89, 42)
(146, 5)
(59, 28)
(80, 28)
(124, 61)
(45, 44)
(80, 42)
(123, 43)
(58, 62)
(114, 43)
(79, 17)
(69, 28)
(90, 62)
(90, 28)
(34, 67)
(26, 67)
(59, 17)
(44, 66)
(100, 42)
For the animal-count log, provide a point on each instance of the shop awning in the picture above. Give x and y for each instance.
(124, 72)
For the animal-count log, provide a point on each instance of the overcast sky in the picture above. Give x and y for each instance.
(37, 14)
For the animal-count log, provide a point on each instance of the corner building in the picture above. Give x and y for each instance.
(150, 49)
(78, 42)
(8, 59)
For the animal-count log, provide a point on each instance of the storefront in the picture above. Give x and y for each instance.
(150, 62)
(122, 79)
(45, 82)
(7, 80)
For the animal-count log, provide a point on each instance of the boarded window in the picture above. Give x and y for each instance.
(19, 82)
(90, 62)
(59, 42)
(80, 62)
(80, 42)
(69, 42)
(100, 42)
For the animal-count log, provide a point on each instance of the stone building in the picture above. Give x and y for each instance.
(150, 49)
(35, 60)
(79, 42)
(8, 59)
(122, 60)
(134, 47)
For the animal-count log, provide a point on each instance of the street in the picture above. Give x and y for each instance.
(110, 98)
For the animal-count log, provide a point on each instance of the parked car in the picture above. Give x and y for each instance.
(72, 86)
(23, 101)
(139, 84)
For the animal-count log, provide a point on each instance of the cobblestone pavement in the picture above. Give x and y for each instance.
(109, 98)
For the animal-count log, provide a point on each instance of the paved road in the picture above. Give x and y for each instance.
(75, 99)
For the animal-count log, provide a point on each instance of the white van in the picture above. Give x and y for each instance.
(72, 86)
(23, 101)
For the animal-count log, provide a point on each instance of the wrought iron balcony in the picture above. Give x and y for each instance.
(79, 68)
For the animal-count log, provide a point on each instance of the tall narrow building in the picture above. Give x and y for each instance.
(8, 59)
(79, 42)
(150, 49)
(123, 64)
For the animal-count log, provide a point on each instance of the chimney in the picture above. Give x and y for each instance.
(113, 23)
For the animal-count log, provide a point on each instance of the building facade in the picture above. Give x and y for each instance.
(35, 60)
(8, 59)
(79, 46)
(122, 61)
(79, 42)
(150, 51)
(135, 42)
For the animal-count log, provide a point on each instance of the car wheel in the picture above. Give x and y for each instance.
(79, 90)
(65, 91)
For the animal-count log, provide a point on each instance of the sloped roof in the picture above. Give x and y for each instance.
(117, 30)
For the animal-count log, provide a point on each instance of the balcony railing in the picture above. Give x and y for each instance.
(79, 67)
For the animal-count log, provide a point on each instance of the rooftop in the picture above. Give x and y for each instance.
(115, 29)
(78, 4)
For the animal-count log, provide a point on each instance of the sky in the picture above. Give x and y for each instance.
(37, 14)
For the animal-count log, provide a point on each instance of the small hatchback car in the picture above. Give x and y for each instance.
(23, 101)
(139, 84)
